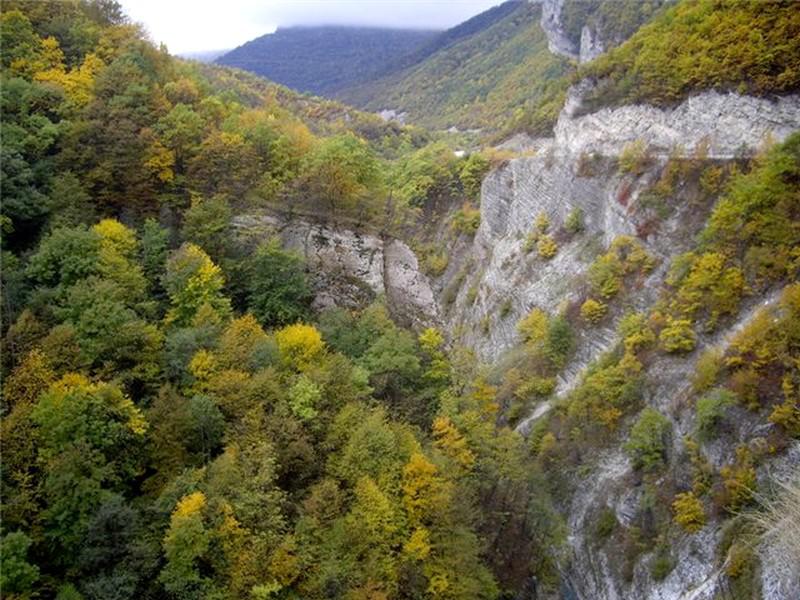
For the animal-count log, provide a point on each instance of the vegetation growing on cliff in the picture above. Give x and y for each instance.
(750, 47)
(180, 420)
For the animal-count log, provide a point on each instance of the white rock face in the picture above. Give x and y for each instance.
(350, 269)
(780, 576)
(390, 114)
(697, 574)
(509, 283)
(501, 284)
(728, 122)
(557, 40)
(408, 291)
(591, 45)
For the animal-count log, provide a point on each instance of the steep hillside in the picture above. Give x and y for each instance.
(464, 30)
(618, 280)
(478, 81)
(324, 60)
(684, 47)
(502, 71)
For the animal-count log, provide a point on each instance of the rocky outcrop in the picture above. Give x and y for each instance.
(390, 114)
(498, 282)
(557, 40)
(493, 282)
(698, 571)
(408, 292)
(591, 44)
(348, 268)
(728, 123)
(509, 281)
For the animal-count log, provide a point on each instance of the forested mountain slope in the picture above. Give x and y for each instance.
(326, 59)
(506, 69)
(173, 425)
(464, 30)
(749, 47)
(258, 344)
(478, 81)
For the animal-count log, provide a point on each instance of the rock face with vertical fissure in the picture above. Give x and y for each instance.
(350, 269)
(577, 169)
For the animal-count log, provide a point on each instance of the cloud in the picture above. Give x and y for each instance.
(196, 25)
(420, 14)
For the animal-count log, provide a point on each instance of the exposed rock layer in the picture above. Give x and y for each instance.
(562, 175)
(557, 40)
(348, 268)
(590, 46)
(728, 123)
(498, 283)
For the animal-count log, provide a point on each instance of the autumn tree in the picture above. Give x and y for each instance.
(185, 543)
(90, 438)
(342, 171)
(224, 163)
(193, 280)
(207, 224)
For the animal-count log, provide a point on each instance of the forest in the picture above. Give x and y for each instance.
(323, 60)
(177, 421)
(181, 420)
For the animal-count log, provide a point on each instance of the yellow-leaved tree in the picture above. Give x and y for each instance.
(299, 345)
(192, 280)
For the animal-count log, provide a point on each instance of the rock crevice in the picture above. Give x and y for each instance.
(348, 268)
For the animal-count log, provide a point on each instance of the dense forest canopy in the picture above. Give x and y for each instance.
(180, 419)
(177, 421)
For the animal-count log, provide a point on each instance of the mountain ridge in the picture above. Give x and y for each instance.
(327, 58)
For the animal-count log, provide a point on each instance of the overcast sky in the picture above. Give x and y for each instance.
(197, 25)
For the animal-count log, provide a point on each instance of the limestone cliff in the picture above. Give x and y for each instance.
(348, 268)
(498, 282)
(576, 168)
(588, 40)
(557, 40)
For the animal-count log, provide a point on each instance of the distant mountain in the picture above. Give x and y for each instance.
(324, 60)
(506, 69)
(478, 74)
